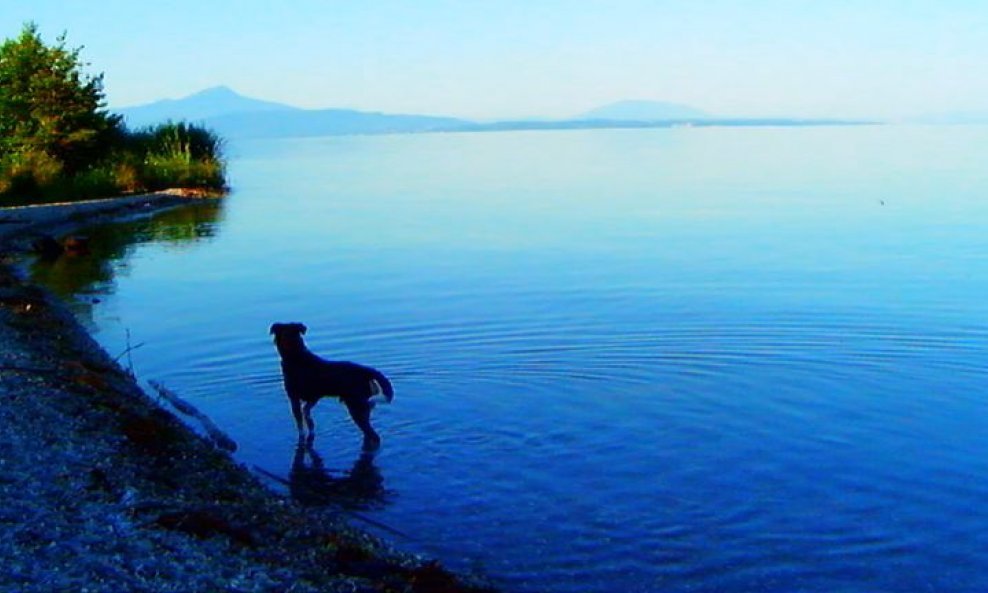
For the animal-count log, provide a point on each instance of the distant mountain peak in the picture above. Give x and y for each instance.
(644, 110)
(208, 103)
(220, 90)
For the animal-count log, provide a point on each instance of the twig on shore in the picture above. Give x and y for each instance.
(219, 438)
(127, 351)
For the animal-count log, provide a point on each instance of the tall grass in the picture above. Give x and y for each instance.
(26, 173)
(175, 155)
(169, 155)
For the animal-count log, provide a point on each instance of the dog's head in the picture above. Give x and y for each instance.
(288, 336)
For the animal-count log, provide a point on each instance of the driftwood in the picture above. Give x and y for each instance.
(217, 436)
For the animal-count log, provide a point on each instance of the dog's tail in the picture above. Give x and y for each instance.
(381, 389)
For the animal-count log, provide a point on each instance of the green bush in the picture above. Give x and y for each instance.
(94, 182)
(164, 171)
(162, 157)
(178, 140)
(178, 155)
(57, 142)
(28, 173)
(49, 105)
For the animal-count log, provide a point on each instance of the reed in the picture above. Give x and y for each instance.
(169, 155)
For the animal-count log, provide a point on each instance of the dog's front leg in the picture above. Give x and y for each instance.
(307, 412)
(297, 413)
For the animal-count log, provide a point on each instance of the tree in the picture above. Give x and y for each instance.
(48, 106)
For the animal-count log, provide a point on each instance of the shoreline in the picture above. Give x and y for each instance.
(107, 490)
(18, 223)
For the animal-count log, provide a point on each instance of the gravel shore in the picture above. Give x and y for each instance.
(105, 490)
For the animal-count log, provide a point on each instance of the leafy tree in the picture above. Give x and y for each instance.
(49, 107)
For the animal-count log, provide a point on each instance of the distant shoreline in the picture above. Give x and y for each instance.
(236, 116)
(514, 126)
(335, 123)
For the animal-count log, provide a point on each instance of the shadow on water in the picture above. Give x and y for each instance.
(76, 276)
(311, 483)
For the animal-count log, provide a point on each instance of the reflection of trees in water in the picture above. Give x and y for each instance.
(69, 276)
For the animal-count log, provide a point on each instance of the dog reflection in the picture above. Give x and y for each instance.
(311, 484)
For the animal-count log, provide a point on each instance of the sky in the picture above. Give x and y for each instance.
(537, 58)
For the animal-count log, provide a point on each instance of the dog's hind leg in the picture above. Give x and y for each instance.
(360, 413)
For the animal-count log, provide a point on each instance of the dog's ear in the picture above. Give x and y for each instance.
(301, 328)
(275, 327)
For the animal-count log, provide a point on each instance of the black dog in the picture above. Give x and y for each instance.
(308, 378)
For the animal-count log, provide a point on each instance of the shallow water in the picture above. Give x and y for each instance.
(635, 360)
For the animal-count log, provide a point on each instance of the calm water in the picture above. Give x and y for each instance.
(643, 360)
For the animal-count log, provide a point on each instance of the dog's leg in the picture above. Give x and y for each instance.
(297, 413)
(360, 413)
(307, 410)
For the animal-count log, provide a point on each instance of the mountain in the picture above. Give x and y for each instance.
(213, 102)
(644, 111)
(235, 116)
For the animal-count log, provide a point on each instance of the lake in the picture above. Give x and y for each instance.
(667, 360)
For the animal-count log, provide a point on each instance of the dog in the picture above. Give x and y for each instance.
(308, 378)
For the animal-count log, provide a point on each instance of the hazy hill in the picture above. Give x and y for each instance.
(235, 116)
(213, 102)
(644, 111)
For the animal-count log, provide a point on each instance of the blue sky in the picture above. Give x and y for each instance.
(827, 58)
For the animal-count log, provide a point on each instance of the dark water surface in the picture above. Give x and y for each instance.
(641, 360)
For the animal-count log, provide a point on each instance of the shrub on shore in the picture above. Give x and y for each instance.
(173, 154)
(58, 142)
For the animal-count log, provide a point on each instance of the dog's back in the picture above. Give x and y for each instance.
(309, 377)
(342, 379)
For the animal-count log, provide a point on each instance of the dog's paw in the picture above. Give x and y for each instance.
(371, 444)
